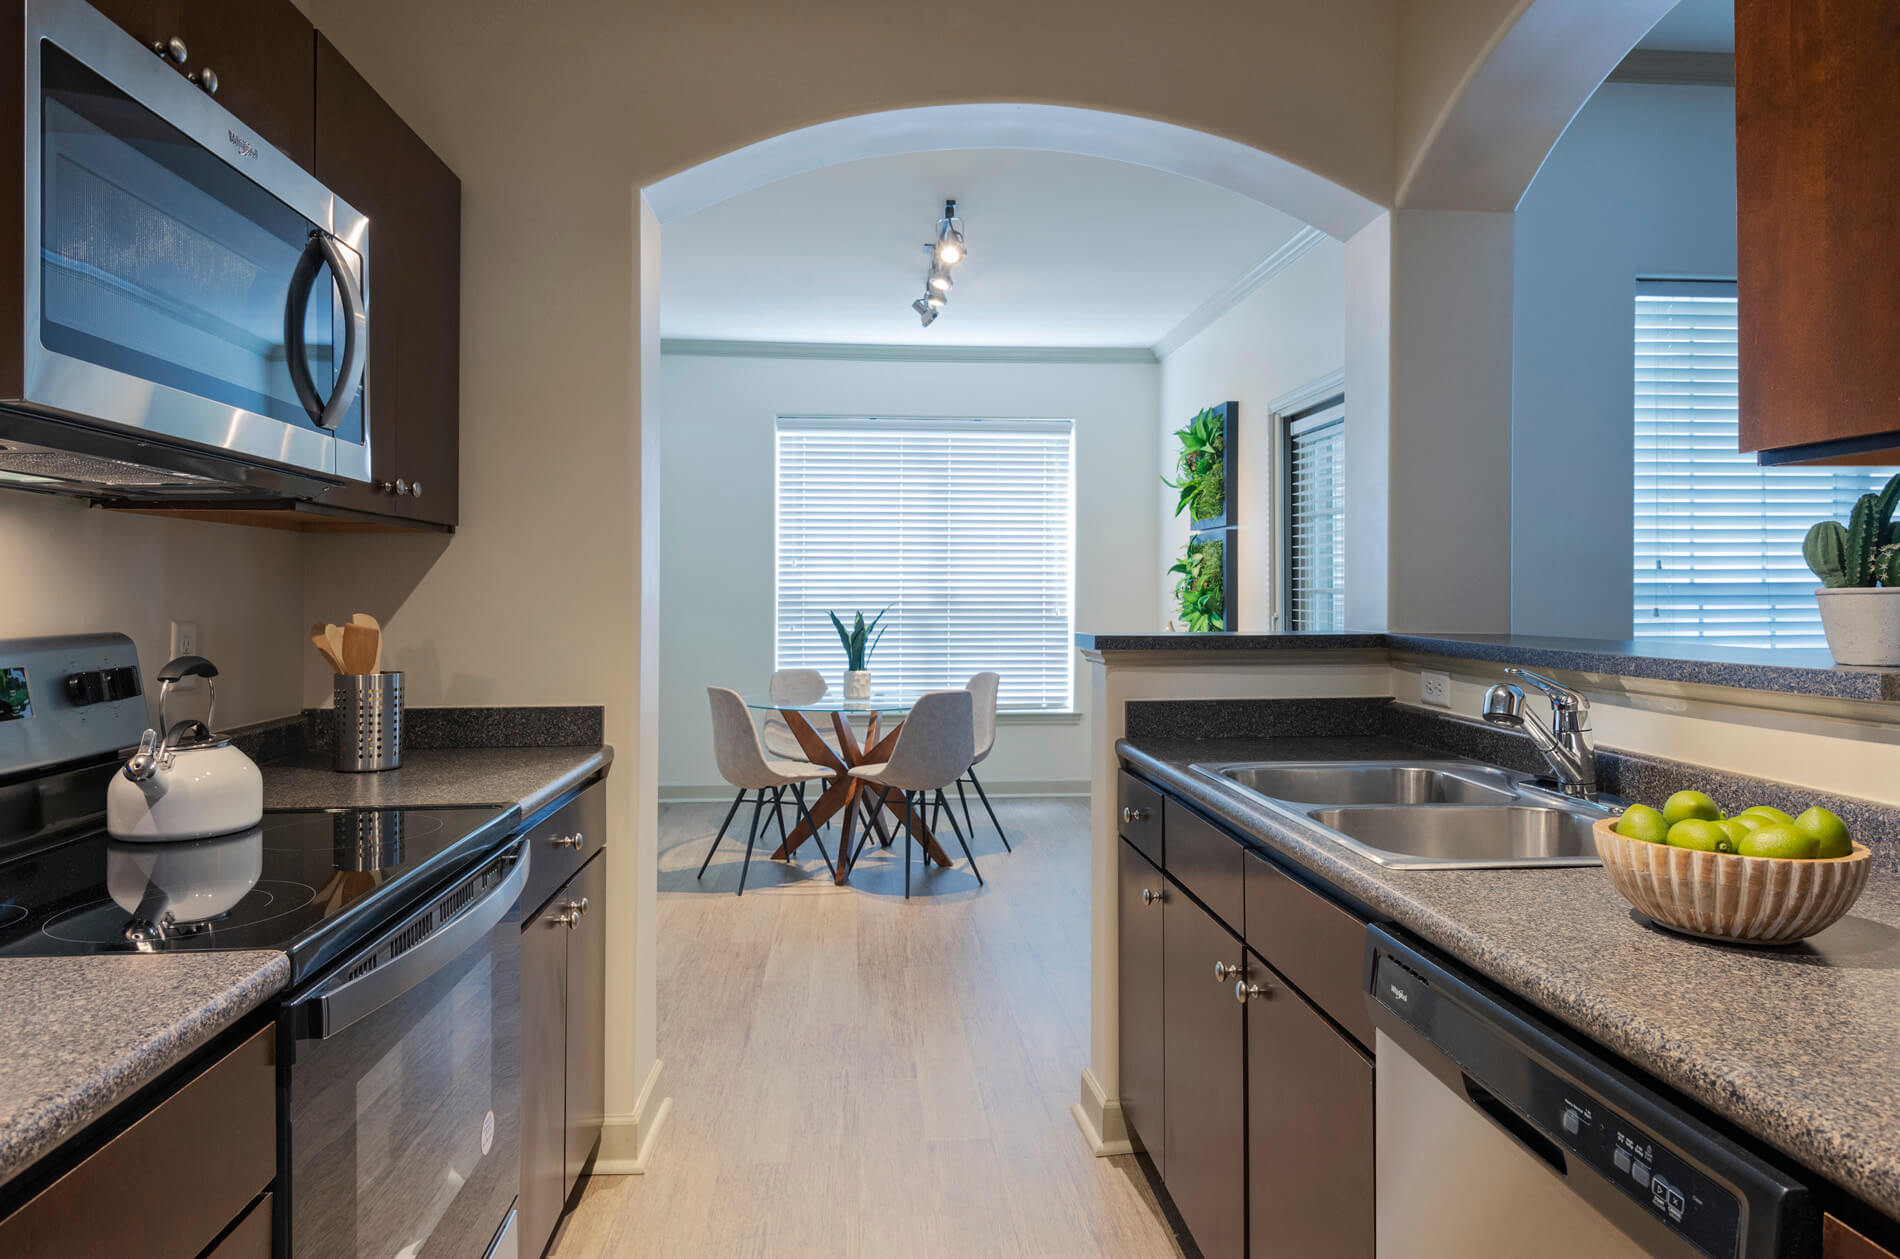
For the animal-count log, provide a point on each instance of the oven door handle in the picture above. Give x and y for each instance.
(341, 1001)
(323, 248)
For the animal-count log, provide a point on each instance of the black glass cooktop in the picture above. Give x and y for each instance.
(307, 882)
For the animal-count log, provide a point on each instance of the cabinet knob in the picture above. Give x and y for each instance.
(571, 914)
(415, 489)
(1223, 972)
(1130, 816)
(174, 48)
(207, 79)
(1149, 896)
(1244, 991)
(568, 841)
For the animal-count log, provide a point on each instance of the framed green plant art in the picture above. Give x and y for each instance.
(1202, 586)
(1204, 469)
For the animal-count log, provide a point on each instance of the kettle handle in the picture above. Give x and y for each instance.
(177, 670)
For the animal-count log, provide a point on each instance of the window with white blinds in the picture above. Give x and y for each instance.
(965, 528)
(1718, 539)
(1316, 519)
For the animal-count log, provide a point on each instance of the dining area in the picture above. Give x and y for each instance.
(832, 773)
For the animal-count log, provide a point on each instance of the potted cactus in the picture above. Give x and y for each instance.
(1859, 567)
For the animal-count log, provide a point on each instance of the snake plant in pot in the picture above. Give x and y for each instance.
(858, 644)
(1859, 567)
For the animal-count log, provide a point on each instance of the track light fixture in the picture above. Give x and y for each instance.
(945, 252)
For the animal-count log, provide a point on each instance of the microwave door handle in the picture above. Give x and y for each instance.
(342, 1002)
(320, 249)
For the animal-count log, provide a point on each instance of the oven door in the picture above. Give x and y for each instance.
(181, 277)
(402, 1103)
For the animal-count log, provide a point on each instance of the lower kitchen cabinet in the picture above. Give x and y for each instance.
(563, 1027)
(1309, 1131)
(1204, 1099)
(1141, 897)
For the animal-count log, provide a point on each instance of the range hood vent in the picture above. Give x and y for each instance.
(31, 468)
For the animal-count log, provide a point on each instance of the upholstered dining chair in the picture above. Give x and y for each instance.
(744, 764)
(934, 748)
(982, 688)
(791, 686)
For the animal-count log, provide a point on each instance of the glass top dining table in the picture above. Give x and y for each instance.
(846, 797)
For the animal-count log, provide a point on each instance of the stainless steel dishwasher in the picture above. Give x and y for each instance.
(1500, 1136)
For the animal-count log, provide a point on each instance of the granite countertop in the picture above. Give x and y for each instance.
(1799, 1046)
(527, 777)
(84, 1033)
(1789, 671)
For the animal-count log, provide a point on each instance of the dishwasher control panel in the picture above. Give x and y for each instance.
(1679, 1196)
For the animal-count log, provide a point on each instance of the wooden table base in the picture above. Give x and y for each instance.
(843, 791)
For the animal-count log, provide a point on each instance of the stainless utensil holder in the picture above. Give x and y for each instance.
(368, 722)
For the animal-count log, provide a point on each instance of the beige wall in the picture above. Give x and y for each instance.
(66, 568)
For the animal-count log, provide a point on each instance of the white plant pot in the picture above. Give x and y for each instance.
(857, 684)
(1862, 624)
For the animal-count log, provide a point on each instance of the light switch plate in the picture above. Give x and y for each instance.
(184, 639)
(1434, 688)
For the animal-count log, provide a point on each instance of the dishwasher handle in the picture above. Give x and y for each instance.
(397, 960)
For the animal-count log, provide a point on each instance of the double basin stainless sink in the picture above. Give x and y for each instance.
(1440, 815)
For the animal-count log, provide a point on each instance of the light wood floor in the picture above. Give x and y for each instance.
(854, 1075)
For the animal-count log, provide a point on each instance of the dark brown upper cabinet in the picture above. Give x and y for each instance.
(257, 54)
(369, 157)
(1817, 147)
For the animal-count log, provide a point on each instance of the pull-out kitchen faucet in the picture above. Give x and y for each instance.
(1565, 743)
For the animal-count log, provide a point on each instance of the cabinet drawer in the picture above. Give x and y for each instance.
(195, 1161)
(1207, 863)
(251, 1238)
(1138, 814)
(562, 842)
(1316, 944)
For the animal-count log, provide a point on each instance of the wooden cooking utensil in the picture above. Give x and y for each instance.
(335, 634)
(369, 622)
(322, 643)
(361, 645)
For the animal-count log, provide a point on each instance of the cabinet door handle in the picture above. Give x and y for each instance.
(207, 79)
(1131, 815)
(570, 915)
(415, 489)
(1149, 896)
(173, 48)
(568, 841)
(1244, 991)
(1223, 972)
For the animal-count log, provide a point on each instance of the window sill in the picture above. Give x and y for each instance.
(1038, 719)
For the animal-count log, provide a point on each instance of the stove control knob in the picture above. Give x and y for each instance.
(85, 688)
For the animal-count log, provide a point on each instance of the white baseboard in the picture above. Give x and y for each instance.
(1100, 1119)
(1029, 789)
(627, 1141)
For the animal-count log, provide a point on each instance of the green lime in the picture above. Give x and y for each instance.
(1735, 829)
(1695, 832)
(1770, 812)
(1778, 841)
(1751, 821)
(1640, 821)
(1830, 833)
(1690, 804)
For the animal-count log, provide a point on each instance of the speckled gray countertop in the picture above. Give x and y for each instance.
(84, 1033)
(1799, 1045)
(528, 777)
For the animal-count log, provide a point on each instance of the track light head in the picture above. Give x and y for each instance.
(926, 313)
(950, 247)
(940, 280)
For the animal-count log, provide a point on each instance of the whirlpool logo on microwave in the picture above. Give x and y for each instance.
(244, 147)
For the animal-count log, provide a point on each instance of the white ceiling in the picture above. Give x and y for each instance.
(1694, 26)
(1064, 251)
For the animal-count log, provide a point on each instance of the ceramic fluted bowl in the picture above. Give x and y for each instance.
(1728, 897)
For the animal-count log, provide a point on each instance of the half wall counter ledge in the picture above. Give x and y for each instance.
(1790, 716)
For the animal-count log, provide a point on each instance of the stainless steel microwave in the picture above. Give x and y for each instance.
(192, 307)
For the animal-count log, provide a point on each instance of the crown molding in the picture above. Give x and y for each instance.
(908, 353)
(1312, 393)
(1686, 69)
(1231, 294)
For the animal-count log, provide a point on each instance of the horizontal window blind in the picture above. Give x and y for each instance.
(964, 527)
(1718, 539)
(1316, 520)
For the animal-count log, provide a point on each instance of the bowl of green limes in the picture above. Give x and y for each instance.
(1759, 877)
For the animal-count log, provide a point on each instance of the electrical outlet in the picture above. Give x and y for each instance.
(1434, 688)
(184, 639)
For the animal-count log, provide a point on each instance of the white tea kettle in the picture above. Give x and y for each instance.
(185, 783)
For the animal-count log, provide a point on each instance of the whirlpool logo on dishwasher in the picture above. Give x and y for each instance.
(244, 147)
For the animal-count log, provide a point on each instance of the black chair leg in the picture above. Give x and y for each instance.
(751, 838)
(907, 836)
(778, 816)
(736, 802)
(961, 842)
(984, 797)
(964, 798)
(871, 813)
(804, 815)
